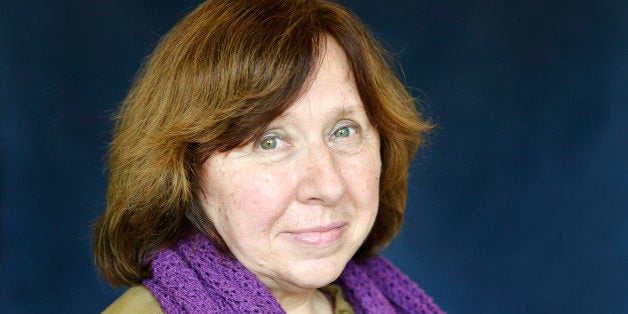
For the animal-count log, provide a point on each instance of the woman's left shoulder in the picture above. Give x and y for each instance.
(136, 299)
(377, 284)
(380, 265)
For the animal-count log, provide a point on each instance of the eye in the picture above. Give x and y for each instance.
(268, 143)
(271, 141)
(343, 132)
(346, 137)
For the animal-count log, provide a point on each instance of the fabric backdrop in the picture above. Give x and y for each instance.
(518, 205)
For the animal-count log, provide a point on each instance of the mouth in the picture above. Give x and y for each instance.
(319, 236)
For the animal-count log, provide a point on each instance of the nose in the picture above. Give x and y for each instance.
(322, 181)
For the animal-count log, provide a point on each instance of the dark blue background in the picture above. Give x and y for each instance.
(518, 205)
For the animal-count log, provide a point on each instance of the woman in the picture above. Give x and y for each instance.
(258, 163)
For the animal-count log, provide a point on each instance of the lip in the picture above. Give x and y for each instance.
(319, 236)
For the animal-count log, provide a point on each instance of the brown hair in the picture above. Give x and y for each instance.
(213, 83)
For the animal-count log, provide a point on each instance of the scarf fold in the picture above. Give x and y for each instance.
(193, 277)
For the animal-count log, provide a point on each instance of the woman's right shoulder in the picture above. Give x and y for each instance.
(136, 299)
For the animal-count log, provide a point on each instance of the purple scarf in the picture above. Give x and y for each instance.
(193, 277)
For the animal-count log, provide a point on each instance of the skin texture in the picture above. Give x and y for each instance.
(295, 205)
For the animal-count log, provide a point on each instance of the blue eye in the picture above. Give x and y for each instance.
(269, 143)
(346, 137)
(346, 129)
(343, 132)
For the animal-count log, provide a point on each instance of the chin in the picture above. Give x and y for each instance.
(316, 273)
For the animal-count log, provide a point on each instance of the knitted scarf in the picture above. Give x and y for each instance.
(193, 277)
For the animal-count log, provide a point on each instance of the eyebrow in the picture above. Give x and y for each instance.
(343, 111)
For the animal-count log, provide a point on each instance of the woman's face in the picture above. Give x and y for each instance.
(294, 206)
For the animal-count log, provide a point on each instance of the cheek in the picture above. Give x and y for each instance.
(363, 177)
(249, 201)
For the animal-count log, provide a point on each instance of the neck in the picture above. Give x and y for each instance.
(308, 301)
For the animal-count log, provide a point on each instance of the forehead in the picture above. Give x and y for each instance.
(331, 82)
(333, 65)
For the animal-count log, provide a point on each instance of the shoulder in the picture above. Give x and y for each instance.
(378, 284)
(136, 299)
(378, 266)
(389, 278)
